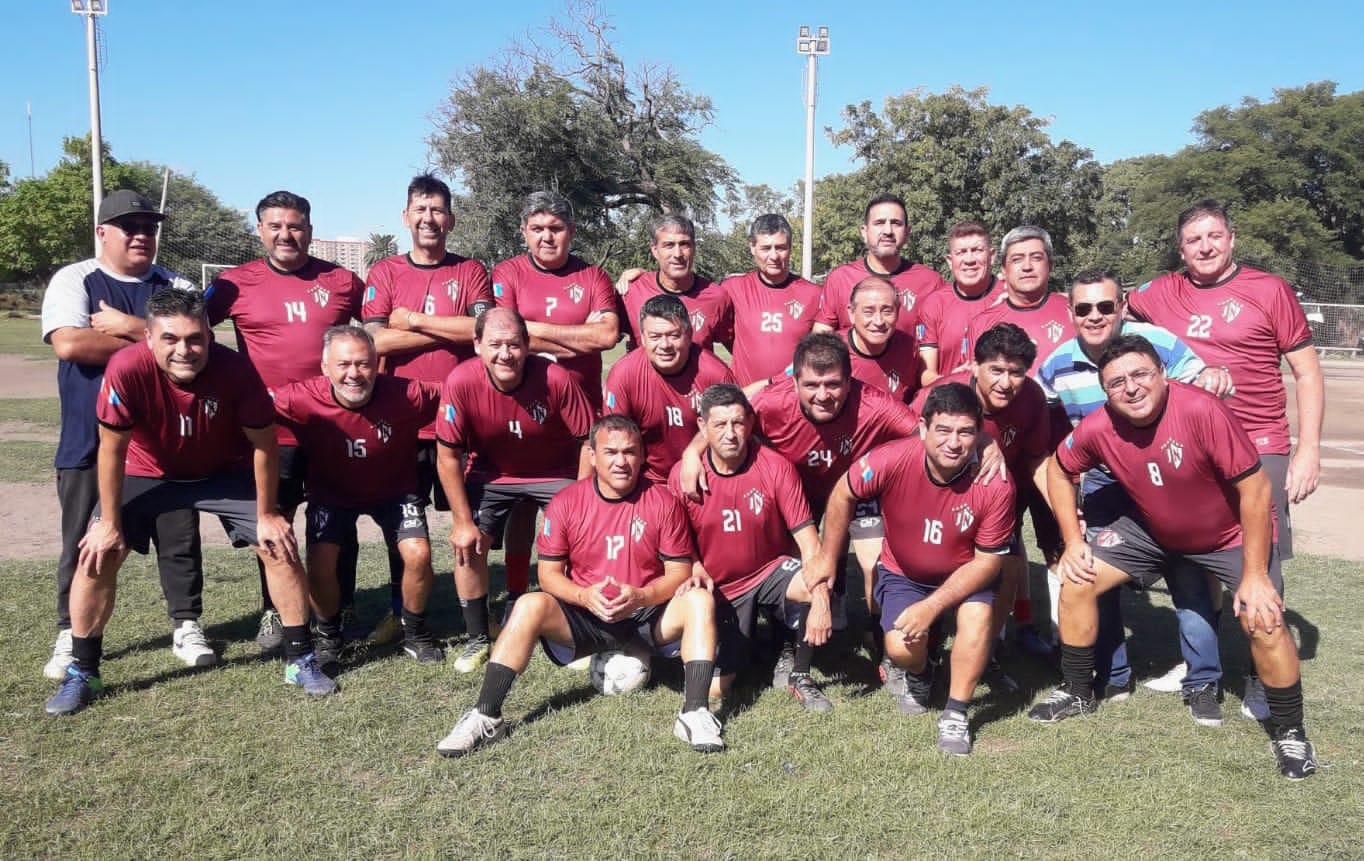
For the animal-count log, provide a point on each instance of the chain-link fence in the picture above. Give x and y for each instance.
(1332, 297)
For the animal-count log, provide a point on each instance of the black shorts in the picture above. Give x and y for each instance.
(735, 617)
(231, 496)
(399, 519)
(492, 503)
(429, 487)
(1126, 545)
(591, 635)
(293, 465)
(1276, 469)
(866, 520)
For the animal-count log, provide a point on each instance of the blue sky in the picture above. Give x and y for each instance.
(335, 100)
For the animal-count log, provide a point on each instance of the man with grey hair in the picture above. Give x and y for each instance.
(772, 307)
(674, 247)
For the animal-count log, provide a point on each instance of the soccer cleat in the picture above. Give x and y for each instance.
(389, 630)
(892, 677)
(270, 634)
(918, 691)
(1253, 704)
(781, 673)
(1118, 693)
(805, 689)
(475, 655)
(189, 644)
(700, 729)
(1293, 753)
(1170, 683)
(1061, 704)
(1203, 705)
(78, 689)
(327, 647)
(1031, 642)
(954, 733)
(55, 668)
(351, 627)
(307, 674)
(998, 678)
(422, 646)
(473, 731)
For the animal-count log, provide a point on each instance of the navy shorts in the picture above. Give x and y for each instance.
(591, 635)
(896, 593)
(399, 519)
(735, 618)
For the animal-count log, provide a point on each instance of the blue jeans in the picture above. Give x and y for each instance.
(1198, 610)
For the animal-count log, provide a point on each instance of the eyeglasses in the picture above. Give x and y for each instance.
(1141, 377)
(133, 228)
(1106, 307)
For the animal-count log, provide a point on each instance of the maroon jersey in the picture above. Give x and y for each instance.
(1245, 323)
(1179, 471)
(944, 320)
(455, 287)
(183, 433)
(627, 539)
(704, 302)
(746, 521)
(1047, 323)
(357, 457)
(1022, 429)
(568, 296)
(896, 371)
(768, 322)
(664, 406)
(822, 452)
(280, 316)
(914, 282)
(931, 529)
(530, 434)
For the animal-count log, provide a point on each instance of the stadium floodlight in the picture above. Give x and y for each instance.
(89, 9)
(812, 45)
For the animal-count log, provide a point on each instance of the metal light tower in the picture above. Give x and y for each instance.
(812, 47)
(89, 9)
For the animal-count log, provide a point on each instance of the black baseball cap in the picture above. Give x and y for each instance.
(124, 202)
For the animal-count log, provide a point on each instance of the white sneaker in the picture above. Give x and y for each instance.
(700, 729)
(1253, 704)
(189, 644)
(473, 731)
(1170, 683)
(55, 668)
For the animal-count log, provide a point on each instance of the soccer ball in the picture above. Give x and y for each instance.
(617, 672)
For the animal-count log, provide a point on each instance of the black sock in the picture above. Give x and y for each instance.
(696, 684)
(1285, 705)
(497, 681)
(1077, 669)
(955, 706)
(330, 628)
(86, 652)
(805, 653)
(414, 623)
(475, 612)
(298, 641)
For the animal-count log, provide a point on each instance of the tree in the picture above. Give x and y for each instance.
(380, 245)
(954, 156)
(619, 144)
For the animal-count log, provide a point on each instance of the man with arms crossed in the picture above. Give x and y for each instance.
(1175, 449)
(615, 567)
(180, 419)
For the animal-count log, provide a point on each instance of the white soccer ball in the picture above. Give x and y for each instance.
(617, 672)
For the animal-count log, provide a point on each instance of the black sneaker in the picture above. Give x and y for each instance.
(998, 678)
(1061, 704)
(804, 688)
(1203, 705)
(781, 673)
(1293, 753)
(422, 646)
(327, 647)
(918, 691)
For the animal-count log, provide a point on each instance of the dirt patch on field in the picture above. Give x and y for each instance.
(27, 431)
(23, 377)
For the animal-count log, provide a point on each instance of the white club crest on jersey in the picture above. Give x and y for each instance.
(795, 309)
(698, 320)
(892, 381)
(907, 300)
(575, 292)
(320, 295)
(694, 397)
(538, 412)
(845, 445)
(1231, 309)
(1174, 451)
(383, 430)
(963, 516)
(210, 407)
(452, 288)
(755, 501)
(1055, 331)
(637, 526)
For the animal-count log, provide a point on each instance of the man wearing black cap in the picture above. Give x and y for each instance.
(91, 310)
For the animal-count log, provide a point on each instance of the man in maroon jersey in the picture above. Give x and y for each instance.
(520, 419)
(1245, 320)
(420, 308)
(945, 316)
(883, 354)
(660, 385)
(184, 423)
(945, 538)
(771, 307)
(746, 528)
(616, 569)
(1201, 502)
(359, 431)
(885, 229)
(674, 248)
(279, 306)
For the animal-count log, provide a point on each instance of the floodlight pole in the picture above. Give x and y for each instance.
(89, 9)
(812, 46)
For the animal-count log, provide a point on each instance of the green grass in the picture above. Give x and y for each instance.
(23, 335)
(26, 461)
(43, 412)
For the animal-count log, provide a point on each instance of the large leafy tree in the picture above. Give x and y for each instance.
(619, 144)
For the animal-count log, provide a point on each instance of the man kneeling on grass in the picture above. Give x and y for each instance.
(615, 567)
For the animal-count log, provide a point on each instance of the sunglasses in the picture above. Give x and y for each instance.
(1106, 307)
(133, 228)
